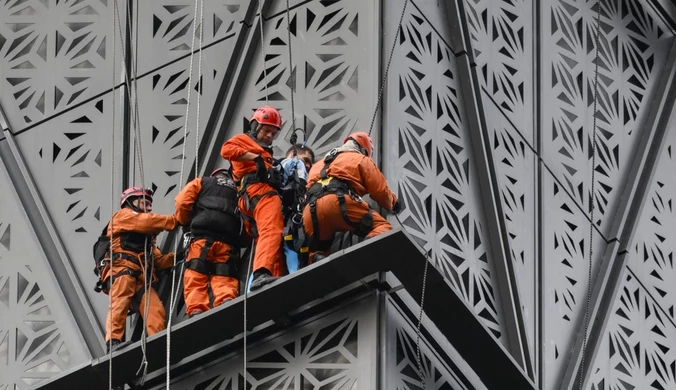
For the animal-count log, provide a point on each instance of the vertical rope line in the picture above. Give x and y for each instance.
(591, 197)
(291, 74)
(265, 69)
(387, 68)
(112, 212)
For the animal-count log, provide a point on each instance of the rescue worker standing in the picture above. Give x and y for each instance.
(335, 187)
(260, 205)
(209, 204)
(133, 230)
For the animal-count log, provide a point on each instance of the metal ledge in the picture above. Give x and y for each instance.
(393, 251)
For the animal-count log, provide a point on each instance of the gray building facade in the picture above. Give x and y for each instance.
(533, 156)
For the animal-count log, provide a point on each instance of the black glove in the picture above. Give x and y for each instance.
(261, 170)
(398, 206)
(275, 178)
(180, 253)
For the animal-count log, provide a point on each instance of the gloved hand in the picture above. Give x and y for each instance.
(261, 170)
(398, 206)
(180, 253)
(275, 178)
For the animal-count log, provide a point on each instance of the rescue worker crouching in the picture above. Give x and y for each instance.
(260, 205)
(333, 200)
(209, 205)
(133, 229)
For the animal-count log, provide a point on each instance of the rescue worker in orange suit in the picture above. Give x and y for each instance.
(209, 204)
(333, 200)
(133, 229)
(260, 205)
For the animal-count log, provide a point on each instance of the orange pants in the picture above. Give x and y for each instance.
(331, 220)
(195, 283)
(123, 291)
(270, 225)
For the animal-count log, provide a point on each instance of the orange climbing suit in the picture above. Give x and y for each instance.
(129, 289)
(363, 177)
(195, 283)
(267, 213)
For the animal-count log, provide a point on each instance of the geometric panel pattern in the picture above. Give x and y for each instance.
(565, 279)
(515, 165)
(162, 103)
(431, 160)
(402, 361)
(170, 23)
(37, 336)
(632, 50)
(69, 159)
(501, 33)
(637, 350)
(332, 353)
(54, 54)
(334, 91)
(652, 252)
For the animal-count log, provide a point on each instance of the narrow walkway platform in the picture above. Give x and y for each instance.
(393, 251)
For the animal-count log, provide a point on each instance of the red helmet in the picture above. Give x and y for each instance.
(221, 171)
(267, 115)
(136, 191)
(363, 140)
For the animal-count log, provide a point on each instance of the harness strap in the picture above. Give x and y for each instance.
(102, 285)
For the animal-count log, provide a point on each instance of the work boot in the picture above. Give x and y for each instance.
(318, 256)
(194, 314)
(261, 278)
(114, 342)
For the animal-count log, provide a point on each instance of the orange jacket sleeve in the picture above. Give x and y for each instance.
(163, 261)
(236, 147)
(186, 199)
(127, 220)
(376, 184)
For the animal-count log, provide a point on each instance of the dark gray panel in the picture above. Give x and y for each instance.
(429, 156)
(38, 336)
(54, 55)
(334, 49)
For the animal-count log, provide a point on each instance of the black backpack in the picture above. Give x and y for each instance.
(100, 249)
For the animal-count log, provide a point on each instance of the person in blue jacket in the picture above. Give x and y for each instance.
(295, 167)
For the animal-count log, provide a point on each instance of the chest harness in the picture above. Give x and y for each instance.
(331, 185)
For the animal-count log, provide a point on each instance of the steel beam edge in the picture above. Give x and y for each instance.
(393, 251)
(636, 188)
(50, 241)
(490, 189)
(666, 9)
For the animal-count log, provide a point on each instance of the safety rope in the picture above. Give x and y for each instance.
(112, 213)
(174, 288)
(591, 197)
(246, 289)
(291, 74)
(387, 68)
(265, 69)
(147, 258)
(418, 355)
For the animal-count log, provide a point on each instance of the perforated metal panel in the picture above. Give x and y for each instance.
(38, 338)
(333, 352)
(429, 161)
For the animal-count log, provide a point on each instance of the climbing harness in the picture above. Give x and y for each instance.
(591, 196)
(175, 289)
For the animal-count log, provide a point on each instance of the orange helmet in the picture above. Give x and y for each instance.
(134, 192)
(363, 140)
(267, 115)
